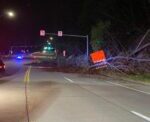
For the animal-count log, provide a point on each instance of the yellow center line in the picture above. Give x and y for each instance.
(26, 81)
(27, 75)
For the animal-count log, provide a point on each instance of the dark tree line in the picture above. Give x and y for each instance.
(122, 29)
(126, 19)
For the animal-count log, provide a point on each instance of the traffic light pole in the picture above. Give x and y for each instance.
(87, 46)
(79, 36)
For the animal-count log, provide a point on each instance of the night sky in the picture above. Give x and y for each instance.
(35, 15)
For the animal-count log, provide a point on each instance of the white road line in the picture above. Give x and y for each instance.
(128, 87)
(69, 80)
(141, 115)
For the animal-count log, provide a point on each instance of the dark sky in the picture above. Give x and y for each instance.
(35, 15)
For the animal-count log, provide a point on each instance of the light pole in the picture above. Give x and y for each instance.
(10, 14)
(87, 46)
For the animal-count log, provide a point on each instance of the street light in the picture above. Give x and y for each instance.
(51, 38)
(10, 14)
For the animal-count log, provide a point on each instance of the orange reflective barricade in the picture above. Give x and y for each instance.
(98, 56)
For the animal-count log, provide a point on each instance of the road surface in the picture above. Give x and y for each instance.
(32, 94)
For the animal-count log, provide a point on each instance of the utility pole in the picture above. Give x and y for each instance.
(87, 46)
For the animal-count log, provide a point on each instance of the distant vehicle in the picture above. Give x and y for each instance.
(41, 55)
(19, 57)
(2, 66)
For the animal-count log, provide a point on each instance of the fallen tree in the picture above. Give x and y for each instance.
(130, 63)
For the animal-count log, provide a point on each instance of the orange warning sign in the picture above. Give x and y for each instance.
(98, 56)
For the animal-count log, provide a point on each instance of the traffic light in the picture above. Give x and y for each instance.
(45, 48)
(48, 48)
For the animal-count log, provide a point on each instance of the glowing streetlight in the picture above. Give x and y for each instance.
(10, 14)
(51, 38)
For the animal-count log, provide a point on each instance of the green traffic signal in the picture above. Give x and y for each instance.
(45, 48)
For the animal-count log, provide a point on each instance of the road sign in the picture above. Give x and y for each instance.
(60, 33)
(64, 53)
(42, 32)
(98, 56)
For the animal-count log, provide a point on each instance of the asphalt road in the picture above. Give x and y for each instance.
(31, 94)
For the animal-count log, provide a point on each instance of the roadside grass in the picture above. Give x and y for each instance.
(143, 77)
(140, 77)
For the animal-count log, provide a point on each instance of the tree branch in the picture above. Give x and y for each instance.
(142, 39)
(140, 49)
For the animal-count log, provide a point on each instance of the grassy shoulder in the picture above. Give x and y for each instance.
(140, 77)
(143, 77)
